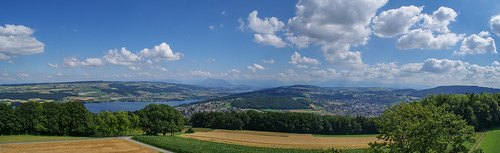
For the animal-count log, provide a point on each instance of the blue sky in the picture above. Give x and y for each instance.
(409, 43)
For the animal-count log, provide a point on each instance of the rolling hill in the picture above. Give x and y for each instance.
(106, 91)
(456, 89)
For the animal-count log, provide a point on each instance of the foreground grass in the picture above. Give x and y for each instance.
(491, 142)
(186, 145)
(34, 138)
(358, 135)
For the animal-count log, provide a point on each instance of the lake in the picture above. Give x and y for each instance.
(129, 106)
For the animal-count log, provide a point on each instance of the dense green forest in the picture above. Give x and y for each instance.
(73, 119)
(479, 110)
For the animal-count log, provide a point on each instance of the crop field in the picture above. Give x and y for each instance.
(186, 145)
(33, 138)
(87, 146)
(282, 140)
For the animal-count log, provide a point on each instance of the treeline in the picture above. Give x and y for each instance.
(73, 119)
(479, 110)
(285, 122)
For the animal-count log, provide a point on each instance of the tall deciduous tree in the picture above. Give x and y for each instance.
(7, 119)
(161, 118)
(30, 117)
(51, 113)
(75, 119)
(416, 128)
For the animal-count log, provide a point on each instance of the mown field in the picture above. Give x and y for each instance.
(282, 140)
(32, 138)
(186, 145)
(491, 141)
(86, 146)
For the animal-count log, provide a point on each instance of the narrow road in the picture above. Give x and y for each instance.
(123, 138)
(146, 145)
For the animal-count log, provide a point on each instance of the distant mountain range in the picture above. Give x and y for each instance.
(456, 89)
(215, 83)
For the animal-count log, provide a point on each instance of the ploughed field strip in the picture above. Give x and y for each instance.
(90, 146)
(281, 140)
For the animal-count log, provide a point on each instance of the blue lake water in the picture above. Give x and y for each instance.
(129, 106)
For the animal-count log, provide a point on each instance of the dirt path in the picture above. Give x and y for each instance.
(114, 144)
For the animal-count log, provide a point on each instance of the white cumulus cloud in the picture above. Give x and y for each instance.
(339, 55)
(18, 40)
(424, 39)
(337, 25)
(296, 58)
(255, 67)
(477, 44)
(495, 24)
(72, 62)
(161, 52)
(444, 65)
(264, 26)
(440, 19)
(396, 21)
(269, 39)
(265, 29)
(122, 57)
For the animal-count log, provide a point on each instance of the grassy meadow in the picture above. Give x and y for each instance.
(491, 142)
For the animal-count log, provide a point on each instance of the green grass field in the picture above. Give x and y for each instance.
(491, 142)
(186, 145)
(357, 135)
(33, 138)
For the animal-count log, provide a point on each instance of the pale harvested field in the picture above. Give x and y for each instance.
(281, 140)
(90, 146)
